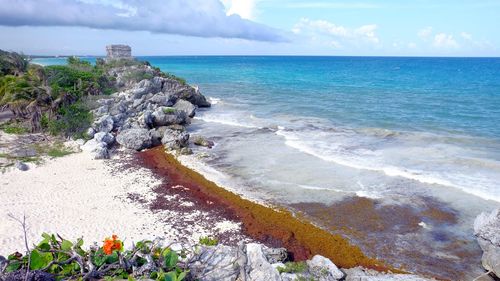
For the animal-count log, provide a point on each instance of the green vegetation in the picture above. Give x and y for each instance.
(170, 76)
(49, 98)
(293, 267)
(54, 150)
(12, 63)
(14, 128)
(168, 110)
(208, 241)
(68, 260)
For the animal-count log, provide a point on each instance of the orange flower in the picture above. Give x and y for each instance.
(112, 244)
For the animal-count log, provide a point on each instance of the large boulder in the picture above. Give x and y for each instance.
(142, 88)
(188, 108)
(104, 137)
(174, 139)
(218, 263)
(185, 92)
(104, 124)
(98, 149)
(164, 116)
(163, 99)
(258, 268)
(136, 138)
(487, 230)
(324, 269)
(201, 141)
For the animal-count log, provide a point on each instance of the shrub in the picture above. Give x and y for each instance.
(69, 261)
(293, 267)
(72, 120)
(208, 241)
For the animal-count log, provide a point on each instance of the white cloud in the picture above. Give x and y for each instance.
(330, 5)
(412, 45)
(466, 36)
(244, 8)
(443, 40)
(201, 18)
(341, 34)
(424, 33)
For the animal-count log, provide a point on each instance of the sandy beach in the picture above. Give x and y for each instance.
(76, 196)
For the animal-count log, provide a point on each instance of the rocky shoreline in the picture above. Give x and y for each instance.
(154, 112)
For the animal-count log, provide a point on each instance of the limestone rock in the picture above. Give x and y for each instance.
(164, 116)
(137, 139)
(174, 139)
(104, 124)
(22, 166)
(275, 255)
(216, 263)
(163, 99)
(188, 108)
(98, 150)
(258, 268)
(104, 137)
(324, 269)
(201, 141)
(487, 230)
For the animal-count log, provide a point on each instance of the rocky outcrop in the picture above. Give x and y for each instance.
(150, 109)
(136, 138)
(487, 230)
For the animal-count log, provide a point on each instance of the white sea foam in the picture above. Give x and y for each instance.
(349, 150)
(225, 120)
(214, 101)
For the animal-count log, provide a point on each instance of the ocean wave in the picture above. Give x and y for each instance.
(357, 152)
(214, 100)
(225, 120)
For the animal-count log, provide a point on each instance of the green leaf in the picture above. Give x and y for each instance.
(170, 258)
(171, 276)
(99, 257)
(79, 242)
(39, 260)
(181, 276)
(66, 245)
(44, 246)
(112, 258)
(13, 266)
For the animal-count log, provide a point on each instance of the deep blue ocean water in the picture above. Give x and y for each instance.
(317, 129)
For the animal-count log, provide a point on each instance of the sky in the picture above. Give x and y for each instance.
(253, 27)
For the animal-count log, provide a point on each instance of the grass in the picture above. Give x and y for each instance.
(293, 267)
(14, 128)
(22, 159)
(53, 150)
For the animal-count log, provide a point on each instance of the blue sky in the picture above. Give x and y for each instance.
(253, 27)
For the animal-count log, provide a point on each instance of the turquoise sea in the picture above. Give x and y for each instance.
(292, 130)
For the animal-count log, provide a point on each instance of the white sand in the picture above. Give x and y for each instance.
(76, 196)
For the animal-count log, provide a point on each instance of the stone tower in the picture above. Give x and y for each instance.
(115, 52)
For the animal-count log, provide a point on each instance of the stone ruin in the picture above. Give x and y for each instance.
(116, 52)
